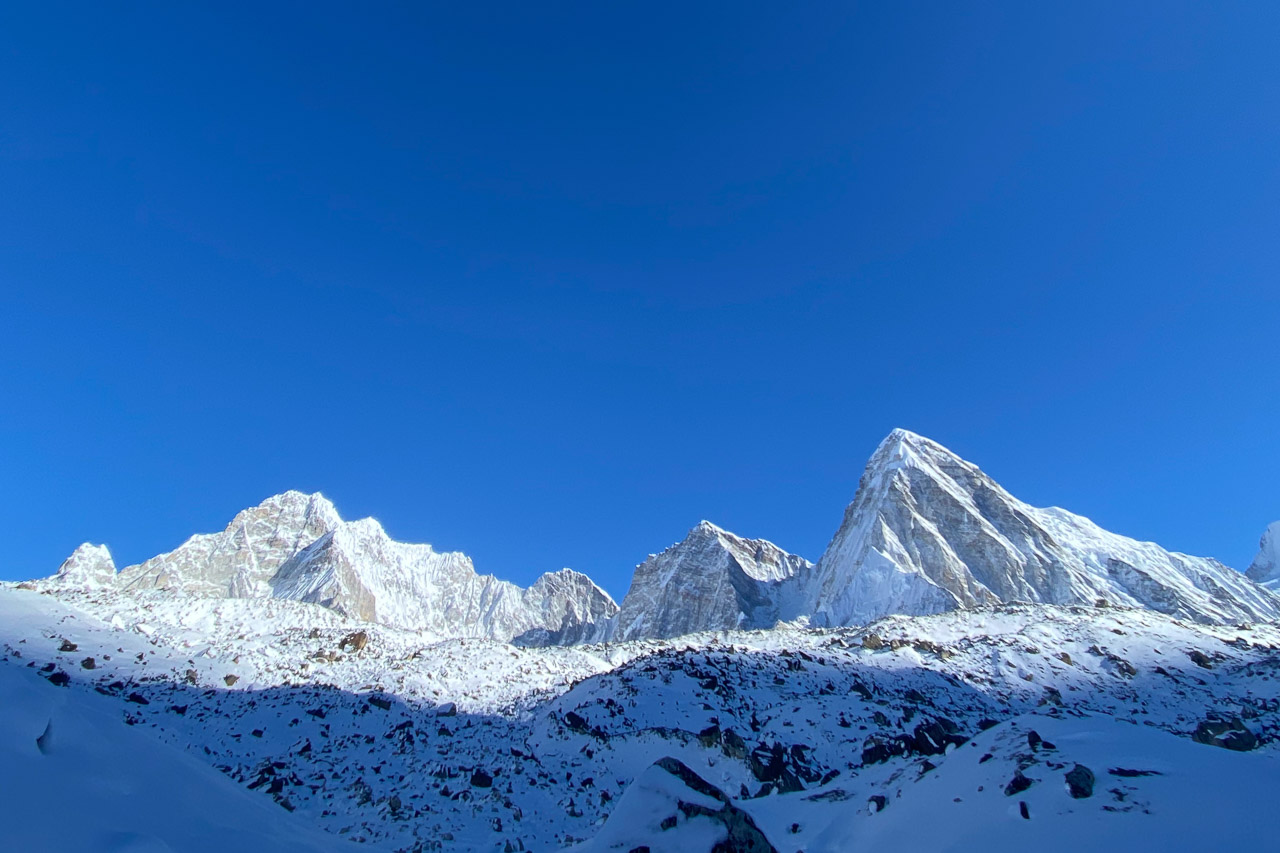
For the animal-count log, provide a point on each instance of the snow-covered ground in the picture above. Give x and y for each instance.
(257, 713)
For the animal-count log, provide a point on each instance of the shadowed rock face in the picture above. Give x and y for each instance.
(929, 532)
(712, 580)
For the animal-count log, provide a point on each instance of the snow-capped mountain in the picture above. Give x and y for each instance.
(1265, 568)
(296, 546)
(88, 567)
(358, 570)
(240, 561)
(711, 580)
(929, 532)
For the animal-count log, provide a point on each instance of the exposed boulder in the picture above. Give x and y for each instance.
(1080, 782)
(1226, 732)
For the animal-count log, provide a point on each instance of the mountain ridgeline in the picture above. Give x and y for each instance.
(927, 532)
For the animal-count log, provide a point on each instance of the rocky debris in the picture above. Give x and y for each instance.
(380, 702)
(481, 779)
(68, 646)
(1226, 732)
(88, 663)
(1200, 659)
(59, 678)
(1129, 773)
(1080, 782)
(230, 680)
(873, 642)
(354, 642)
(448, 709)
(782, 769)
(192, 677)
(930, 737)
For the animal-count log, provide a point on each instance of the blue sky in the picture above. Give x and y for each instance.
(550, 283)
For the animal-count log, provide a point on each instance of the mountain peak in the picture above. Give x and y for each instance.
(88, 566)
(1266, 566)
(710, 580)
(928, 531)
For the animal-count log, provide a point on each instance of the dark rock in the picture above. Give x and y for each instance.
(1023, 810)
(481, 779)
(743, 836)
(67, 646)
(576, 723)
(1126, 773)
(230, 680)
(59, 679)
(1017, 784)
(732, 744)
(355, 641)
(448, 709)
(1228, 733)
(1080, 782)
(879, 801)
(873, 642)
(1200, 659)
(137, 699)
(1033, 739)
(88, 663)
(380, 702)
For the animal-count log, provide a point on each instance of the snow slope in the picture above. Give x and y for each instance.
(1148, 790)
(77, 778)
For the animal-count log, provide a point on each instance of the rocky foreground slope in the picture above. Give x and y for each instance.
(392, 738)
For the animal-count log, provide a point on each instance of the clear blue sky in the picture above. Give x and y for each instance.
(550, 283)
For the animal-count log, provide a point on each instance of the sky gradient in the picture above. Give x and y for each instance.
(551, 284)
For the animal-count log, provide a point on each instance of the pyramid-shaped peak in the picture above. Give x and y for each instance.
(88, 566)
(1266, 566)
